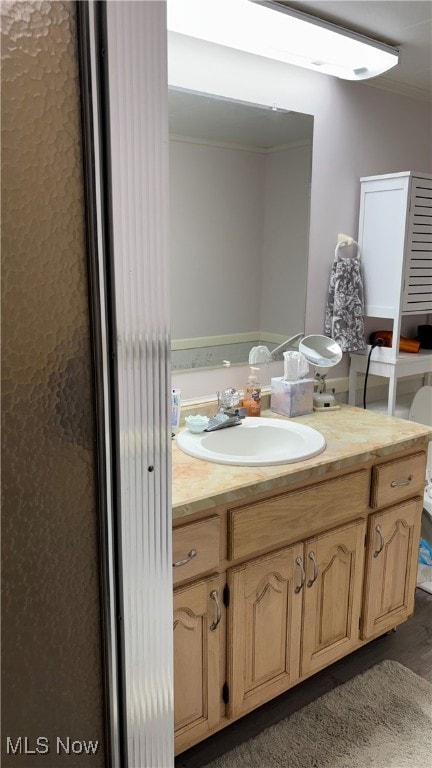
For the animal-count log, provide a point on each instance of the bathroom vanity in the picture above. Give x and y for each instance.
(279, 571)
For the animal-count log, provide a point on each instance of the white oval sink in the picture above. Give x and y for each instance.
(257, 441)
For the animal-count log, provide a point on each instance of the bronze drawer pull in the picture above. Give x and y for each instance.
(395, 483)
(299, 562)
(193, 553)
(381, 544)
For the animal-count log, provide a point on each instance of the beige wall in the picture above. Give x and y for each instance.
(51, 649)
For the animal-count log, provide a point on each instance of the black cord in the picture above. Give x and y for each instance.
(376, 343)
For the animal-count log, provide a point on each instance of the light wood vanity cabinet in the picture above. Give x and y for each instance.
(391, 567)
(199, 669)
(299, 580)
(393, 536)
(195, 549)
(332, 595)
(264, 627)
(293, 612)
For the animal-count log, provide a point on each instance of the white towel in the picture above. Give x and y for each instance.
(344, 314)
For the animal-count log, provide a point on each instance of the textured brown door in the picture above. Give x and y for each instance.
(51, 633)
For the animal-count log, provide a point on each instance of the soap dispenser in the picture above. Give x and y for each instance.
(252, 396)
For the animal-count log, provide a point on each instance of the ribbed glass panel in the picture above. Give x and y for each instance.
(139, 147)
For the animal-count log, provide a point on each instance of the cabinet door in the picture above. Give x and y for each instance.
(264, 627)
(391, 567)
(199, 648)
(332, 598)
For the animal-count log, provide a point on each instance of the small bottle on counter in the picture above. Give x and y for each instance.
(175, 410)
(252, 395)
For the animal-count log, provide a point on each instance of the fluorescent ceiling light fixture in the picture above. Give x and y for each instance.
(278, 32)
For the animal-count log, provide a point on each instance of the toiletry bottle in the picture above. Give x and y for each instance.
(252, 396)
(175, 410)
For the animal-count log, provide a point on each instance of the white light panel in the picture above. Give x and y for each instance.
(276, 32)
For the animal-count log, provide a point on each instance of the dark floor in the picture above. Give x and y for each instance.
(411, 645)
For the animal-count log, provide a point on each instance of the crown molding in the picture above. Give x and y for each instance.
(241, 147)
(386, 84)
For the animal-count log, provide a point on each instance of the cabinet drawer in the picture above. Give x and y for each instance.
(195, 549)
(398, 480)
(297, 515)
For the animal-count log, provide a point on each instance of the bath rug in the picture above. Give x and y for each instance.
(381, 718)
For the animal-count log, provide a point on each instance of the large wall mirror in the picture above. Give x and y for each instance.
(240, 198)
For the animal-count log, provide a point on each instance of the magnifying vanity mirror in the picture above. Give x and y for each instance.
(322, 353)
(240, 178)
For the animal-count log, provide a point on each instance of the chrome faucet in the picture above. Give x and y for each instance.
(228, 413)
(227, 399)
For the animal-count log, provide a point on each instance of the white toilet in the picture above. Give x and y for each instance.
(421, 406)
(421, 412)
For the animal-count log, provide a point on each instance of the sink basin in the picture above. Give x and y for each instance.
(257, 441)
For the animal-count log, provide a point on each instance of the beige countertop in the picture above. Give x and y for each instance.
(353, 435)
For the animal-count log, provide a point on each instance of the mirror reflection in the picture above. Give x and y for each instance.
(239, 211)
(321, 351)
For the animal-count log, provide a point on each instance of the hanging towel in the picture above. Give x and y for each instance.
(345, 304)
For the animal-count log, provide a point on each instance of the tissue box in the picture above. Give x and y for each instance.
(291, 398)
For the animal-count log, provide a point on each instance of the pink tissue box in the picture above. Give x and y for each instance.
(291, 398)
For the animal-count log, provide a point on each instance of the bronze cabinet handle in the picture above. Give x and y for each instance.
(214, 596)
(193, 553)
(396, 483)
(315, 569)
(381, 544)
(299, 562)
